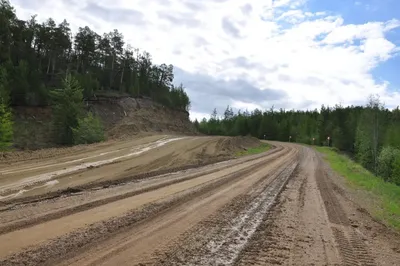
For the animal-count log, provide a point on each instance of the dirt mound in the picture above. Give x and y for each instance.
(233, 144)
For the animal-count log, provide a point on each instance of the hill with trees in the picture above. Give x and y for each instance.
(370, 134)
(36, 60)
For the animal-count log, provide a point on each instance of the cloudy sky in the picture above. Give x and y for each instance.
(294, 54)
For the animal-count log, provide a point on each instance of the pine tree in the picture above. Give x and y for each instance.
(68, 103)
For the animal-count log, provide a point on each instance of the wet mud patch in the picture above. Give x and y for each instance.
(220, 239)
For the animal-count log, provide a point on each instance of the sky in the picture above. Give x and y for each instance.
(291, 54)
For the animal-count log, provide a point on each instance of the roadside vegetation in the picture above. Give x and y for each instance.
(369, 134)
(385, 194)
(262, 148)
(39, 62)
(6, 126)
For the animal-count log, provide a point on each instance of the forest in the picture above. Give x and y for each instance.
(37, 58)
(370, 134)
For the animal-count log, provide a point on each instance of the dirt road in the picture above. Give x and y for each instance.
(111, 161)
(282, 207)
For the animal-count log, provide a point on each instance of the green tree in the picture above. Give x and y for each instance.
(369, 137)
(395, 175)
(386, 162)
(6, 125)
(89, 130)
(38, 56)
(68, 103)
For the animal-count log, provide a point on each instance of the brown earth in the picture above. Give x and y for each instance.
(282, 207)
(25, 174)
(125, 117)
(122, 117)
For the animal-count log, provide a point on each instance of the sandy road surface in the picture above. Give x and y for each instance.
(105, 162)
(282, 207)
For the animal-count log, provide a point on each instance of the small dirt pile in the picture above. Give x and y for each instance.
(234, 144)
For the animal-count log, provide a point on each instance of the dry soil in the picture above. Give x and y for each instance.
(281, 207)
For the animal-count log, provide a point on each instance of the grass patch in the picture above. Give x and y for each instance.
(262, 148)
(386, 195)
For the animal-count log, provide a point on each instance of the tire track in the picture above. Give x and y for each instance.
(219, 239)
(225, 249)
(9, 189)
(144, 244)
(269, 245)
(122, 181)
(96, 203)
(67, 244)
(296, 230)
(351, 248)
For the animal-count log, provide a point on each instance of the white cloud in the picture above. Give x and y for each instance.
(311, 58)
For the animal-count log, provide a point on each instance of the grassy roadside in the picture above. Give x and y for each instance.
(386, 195)
(262, 148)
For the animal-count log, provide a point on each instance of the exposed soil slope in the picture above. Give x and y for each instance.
(122, 117)
(125, 116)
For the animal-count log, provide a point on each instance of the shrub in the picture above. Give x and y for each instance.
(89, 130)
(6, 129)
(386, 162)
(395, 175)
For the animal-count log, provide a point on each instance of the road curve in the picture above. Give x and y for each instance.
(244, 211)
(50, 230)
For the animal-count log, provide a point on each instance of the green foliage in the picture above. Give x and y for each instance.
(370, 134)
(386, 196)
(6, 126)
(4, 86)
(386, 162)
(67, 106)
(136, 87)
(395, 175)
(361, 131)
(392, 136)
(178, 98)
(89, 84)
(37, 57)
(89, 130)
(363, 149)
(262, 148)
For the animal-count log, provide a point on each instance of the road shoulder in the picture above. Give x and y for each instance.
(381, 241)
